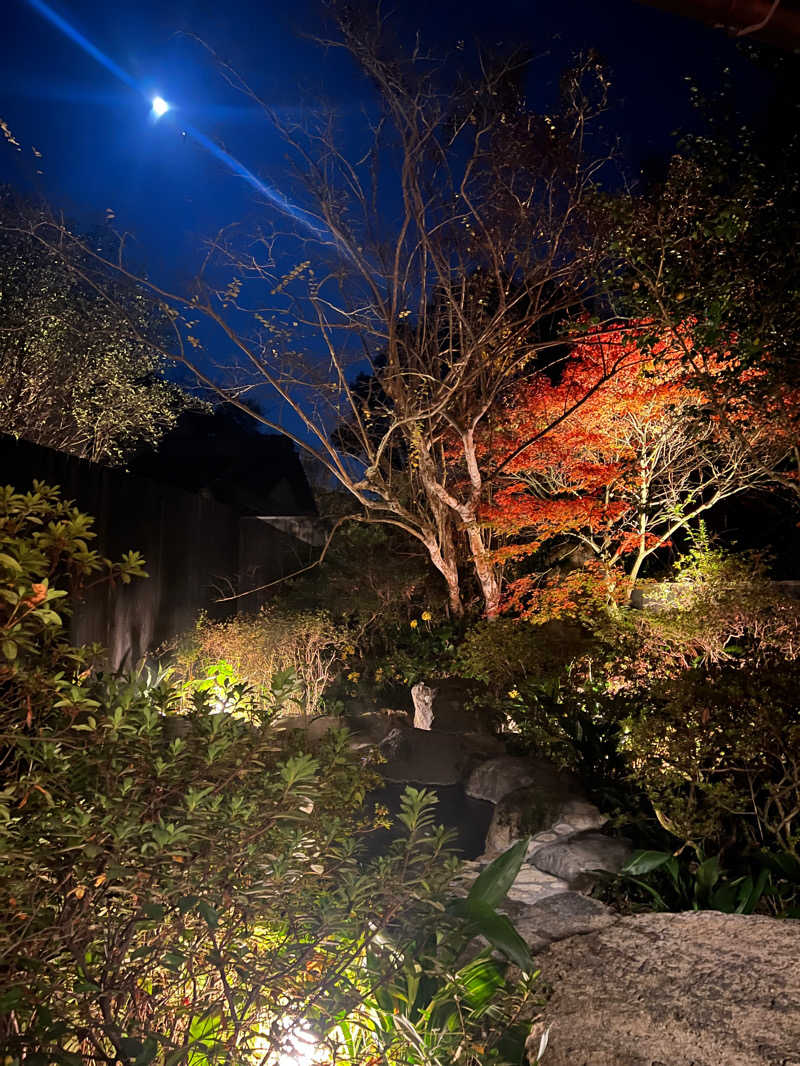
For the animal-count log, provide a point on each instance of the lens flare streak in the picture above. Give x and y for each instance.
(76, 36)
(160, 107)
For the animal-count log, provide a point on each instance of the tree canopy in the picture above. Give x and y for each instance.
(642, 457)
(80, 367)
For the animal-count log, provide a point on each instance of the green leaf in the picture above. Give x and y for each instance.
(725, 897)
(708, 873)
(642, 862)
(659, 899)
(479, 980)
(500, 933)
(156, 911)
(298, 768)
(9, 648)
(208, 912)
(748, 900)
(493, 884)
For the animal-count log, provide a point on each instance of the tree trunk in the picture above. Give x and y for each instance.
(486, 571)
(445, 563)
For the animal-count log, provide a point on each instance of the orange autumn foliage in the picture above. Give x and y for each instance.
(617, 456)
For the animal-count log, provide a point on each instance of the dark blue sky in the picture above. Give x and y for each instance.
(100, 148)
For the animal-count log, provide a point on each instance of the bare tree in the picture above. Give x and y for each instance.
(431, 268)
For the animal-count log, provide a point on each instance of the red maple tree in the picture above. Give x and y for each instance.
(639, 458)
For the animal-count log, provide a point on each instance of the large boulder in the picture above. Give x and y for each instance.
(495, 778)
(415, 756)
(696, 989)
(577, 856)
(552, 802)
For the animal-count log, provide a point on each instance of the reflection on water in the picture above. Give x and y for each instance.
(469, 817)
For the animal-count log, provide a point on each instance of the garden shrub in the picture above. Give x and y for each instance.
(44, 542)
(265, 652)
(719, 607)
(718, 754)
(421, 649)
(758, 880)
(373, 580)
(188, 888)
(509, 652)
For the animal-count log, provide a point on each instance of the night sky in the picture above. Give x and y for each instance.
(102, 150)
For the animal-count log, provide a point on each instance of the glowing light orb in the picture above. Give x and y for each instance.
(160, 106)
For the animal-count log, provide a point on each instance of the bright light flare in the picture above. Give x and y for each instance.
(300, 1049)
(160, 107)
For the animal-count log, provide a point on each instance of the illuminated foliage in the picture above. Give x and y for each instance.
(716, 240)
(79, 371)
(639, 459)
(186, 888)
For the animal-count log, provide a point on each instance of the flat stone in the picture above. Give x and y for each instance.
(495, 778)
(536, 808)
(558, 916)
(582, 854)
(532, 886)
(319, 727)
(580, 814)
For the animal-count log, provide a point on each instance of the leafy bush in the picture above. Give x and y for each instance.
(373, 580)
(718, 755)
(754, 880)
(441, 1004)
(187, 888)
(697, 884)
(719, 607)
(44, 539)
(419, 650)
(265, 652)
(510, 652)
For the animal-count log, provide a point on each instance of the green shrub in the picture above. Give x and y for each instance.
(687, 880)
(719, 607)
(265, 652)
(718, 754)
(421, 649)
(188, 888)
(509, 652)
(44, 541)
